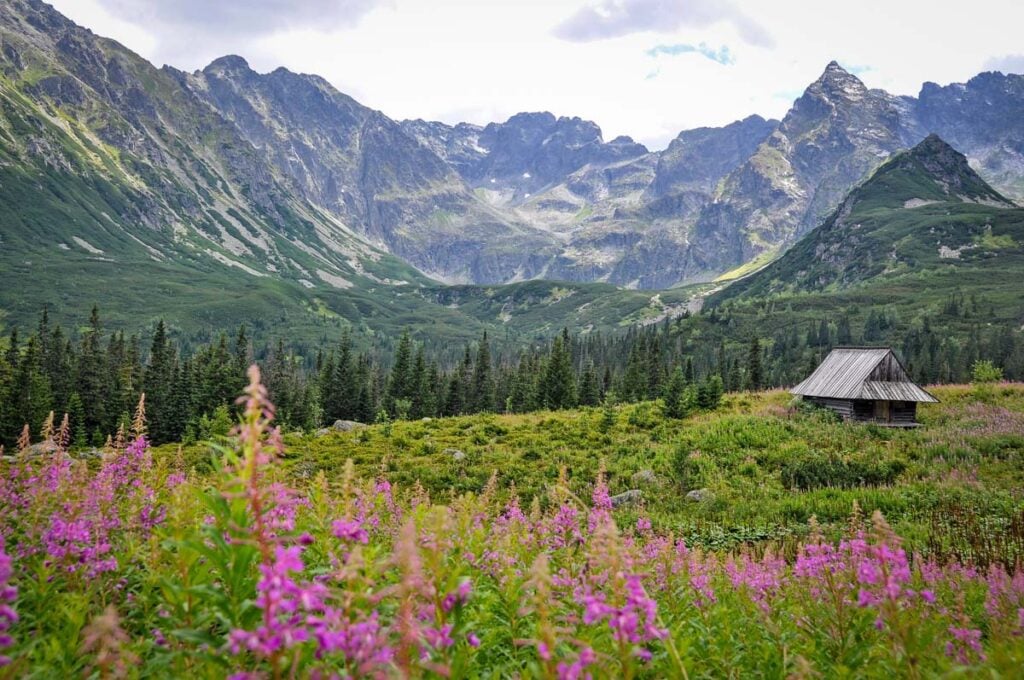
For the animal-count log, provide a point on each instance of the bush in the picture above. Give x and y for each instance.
(818, 472)
(984, 371)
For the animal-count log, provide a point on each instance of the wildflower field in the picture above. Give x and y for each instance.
(815, 549)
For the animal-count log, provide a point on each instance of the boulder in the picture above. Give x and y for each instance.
(630, 497)
(699, 495)
(455, 454)
(347, 425)
(322, 431)
(40, 449)
(645, 477)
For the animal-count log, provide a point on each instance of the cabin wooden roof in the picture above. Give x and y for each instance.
(873, 373)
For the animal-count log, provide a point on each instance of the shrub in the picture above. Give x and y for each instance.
(817, 472)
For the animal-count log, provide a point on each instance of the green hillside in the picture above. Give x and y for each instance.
(766, 465)
(924, 219)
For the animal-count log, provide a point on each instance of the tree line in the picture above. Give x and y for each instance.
(96, 376)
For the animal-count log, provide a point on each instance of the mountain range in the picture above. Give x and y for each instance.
(278, 187)
(925, 219)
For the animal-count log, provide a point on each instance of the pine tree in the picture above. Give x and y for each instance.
(181, 412)
(454, 403)
(58, 365)
(157, 384)
(734, 380)
(421, 390)
(589, 390)
(755, 374)
(343, 395)
(76, 419)
(30, 391)
(92, 383)
(608, 413)
(675, 395)
(559, 382)
(709, 392)
(399, 385)
(655, 370)
(483, 384)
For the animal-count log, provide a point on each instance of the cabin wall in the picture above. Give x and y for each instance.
(844, 407)
(902, 413)
(863, 409)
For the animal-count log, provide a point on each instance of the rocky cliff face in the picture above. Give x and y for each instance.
(364, 168)
(924, 212)
(282, 174)
(835, 134)
(145, 166)
(697, 159)
(983, 118)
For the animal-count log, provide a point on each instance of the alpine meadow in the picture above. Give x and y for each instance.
(430, 382)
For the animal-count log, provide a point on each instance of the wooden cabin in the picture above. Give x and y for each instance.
(865, 384)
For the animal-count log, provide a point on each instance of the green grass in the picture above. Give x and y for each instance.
(968, 458)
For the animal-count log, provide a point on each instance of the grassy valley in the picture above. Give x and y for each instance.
(520, 545)
(765, 466)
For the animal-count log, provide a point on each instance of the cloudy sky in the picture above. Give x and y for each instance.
(645, 68)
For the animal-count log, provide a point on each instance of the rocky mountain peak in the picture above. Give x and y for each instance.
(933, 149)
(229, 63)
(947, 168)
(836, 81)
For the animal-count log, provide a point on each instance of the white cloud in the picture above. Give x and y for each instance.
(484, 60)
(1008, 63)
(246, 17)
(616, 18)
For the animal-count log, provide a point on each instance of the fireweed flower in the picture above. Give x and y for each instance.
(8, 595)
(601, 508)
(965, 645)
(577, 669)
(761, 579)
(350, 531)
(459, 596)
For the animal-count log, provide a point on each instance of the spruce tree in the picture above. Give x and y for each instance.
(30, 392)
(483, 385)
(589, 391)
(559, 382)
(755, 374)
(343, 396)
(675, 395)
(401, 374)
(92, 382)
(157, 384)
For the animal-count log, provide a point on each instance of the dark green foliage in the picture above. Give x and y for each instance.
(558, 384)
(158, 385)
(815, 472)
(755, 377)
(709, 393)
(315, 385)
(589, 390)
(676, 395)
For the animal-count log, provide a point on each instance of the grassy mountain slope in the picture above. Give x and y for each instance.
(923, 220)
